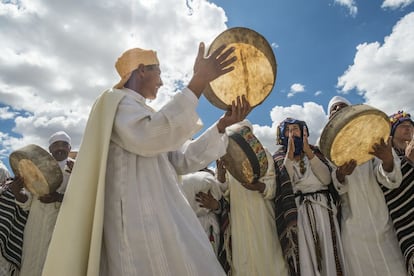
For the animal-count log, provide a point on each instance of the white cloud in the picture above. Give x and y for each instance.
(350, 5)
(383, 73)
(296, 88)
(275, 45)
(317, 93)
(6, 114)
(395, 4)
(57, 57)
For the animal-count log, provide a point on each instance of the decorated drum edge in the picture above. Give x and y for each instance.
(253, 151)
(232, 158)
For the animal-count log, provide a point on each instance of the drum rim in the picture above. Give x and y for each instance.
(244, 146)
(328, 129)
(209, 92)
(52, 168)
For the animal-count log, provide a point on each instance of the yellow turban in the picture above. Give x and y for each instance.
(130, 60)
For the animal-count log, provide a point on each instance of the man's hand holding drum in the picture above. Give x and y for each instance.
(16, 187)
(255, 186)
(383, 151)
(380, 150)
(52, 197)
(345, 169)
(207, 69)
(237, 112)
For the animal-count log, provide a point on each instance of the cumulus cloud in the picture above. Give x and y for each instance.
(383, 72)
(350, 5)
(57, 57)
(312, 113)
(296, 88)
(6, 113)
(395, 4)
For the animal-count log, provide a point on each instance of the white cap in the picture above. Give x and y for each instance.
(59, 136)
(335, 100)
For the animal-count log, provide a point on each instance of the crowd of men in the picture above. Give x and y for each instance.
(140, 199)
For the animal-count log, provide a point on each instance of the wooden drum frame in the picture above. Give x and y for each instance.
(40, 171)
(351, 133)
(254, 73)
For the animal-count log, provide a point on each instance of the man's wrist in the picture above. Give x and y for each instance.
(340, 176)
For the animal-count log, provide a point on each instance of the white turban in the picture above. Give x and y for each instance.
(335, 100)
(59, 136)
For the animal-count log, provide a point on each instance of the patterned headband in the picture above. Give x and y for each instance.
(399, 115)
(398, 118)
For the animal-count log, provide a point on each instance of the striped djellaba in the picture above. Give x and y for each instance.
(12, 223)
(400, 203)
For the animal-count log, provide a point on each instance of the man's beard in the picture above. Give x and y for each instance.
(298, 145)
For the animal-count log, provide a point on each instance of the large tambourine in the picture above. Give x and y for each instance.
(351, 133)
(40, 171)
(245, 158)
(254, 73)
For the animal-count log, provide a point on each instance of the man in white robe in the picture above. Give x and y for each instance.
(204, 181)
(368, 237)
(43, 210)
(255, 247)
(137, 220)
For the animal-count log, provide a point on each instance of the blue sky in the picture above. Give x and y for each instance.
(57, 57)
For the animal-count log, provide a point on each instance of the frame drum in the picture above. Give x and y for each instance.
(254, 73)
(40, 171)
(351, 133)
(246, 158)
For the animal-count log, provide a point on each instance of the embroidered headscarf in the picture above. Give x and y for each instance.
(397, 118)
(130, 60)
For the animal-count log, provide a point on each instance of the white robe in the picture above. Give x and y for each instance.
(368, 236)
(75, 248)
(315, 178)
(168, 219)
(39, 228)
(256, 248)
(202, 181)
(149, 227)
